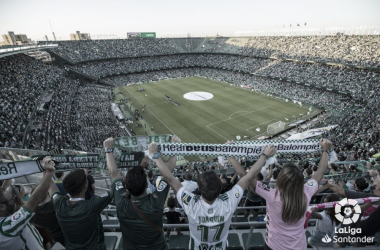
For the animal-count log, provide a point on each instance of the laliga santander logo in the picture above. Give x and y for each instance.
(349, 215)
(326, 239)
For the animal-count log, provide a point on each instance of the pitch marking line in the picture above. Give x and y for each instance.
(258, 125)
(249, 112)
(218, 133)
(151, 112)
(238, 112)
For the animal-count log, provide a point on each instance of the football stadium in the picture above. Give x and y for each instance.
(258, 140)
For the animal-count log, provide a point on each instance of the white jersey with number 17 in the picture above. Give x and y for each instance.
(209, 224)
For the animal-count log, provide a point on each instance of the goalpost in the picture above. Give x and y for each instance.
(275, 127)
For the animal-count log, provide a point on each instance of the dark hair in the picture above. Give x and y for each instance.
(334, 166)
(188, 176)
(331, 211)
(275, 174)
(352, 167)
(135, 181)
(150, 174)
(209, 185)
(260, 177)
(361, 183)
(171, 202)
(3, 199)
(309, 171)
(19, 187)
(74, 182)
(58, 174)
(315, 168)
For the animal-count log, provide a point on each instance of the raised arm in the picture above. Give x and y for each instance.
(322, 188)
(234, 177)
(111, 163)
(171, 163)
(237, 166)
(336, 189)
(173, 159)
(315, 215)
(326, 147)
(52, 187)
(164, 170)
(269, 151)
(40, 193)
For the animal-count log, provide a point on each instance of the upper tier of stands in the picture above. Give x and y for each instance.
(356, 50)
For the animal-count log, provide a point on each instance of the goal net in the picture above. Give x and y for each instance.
(276, 127)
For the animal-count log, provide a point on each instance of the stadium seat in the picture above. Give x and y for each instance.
(257, 241)
(110, 242)
(234, 242)
(179, 242)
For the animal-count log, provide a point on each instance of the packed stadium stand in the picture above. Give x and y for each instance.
(46, 108)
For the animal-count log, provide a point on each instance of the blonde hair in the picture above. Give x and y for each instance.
(290, 184)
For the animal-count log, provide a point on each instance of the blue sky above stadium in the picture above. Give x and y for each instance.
(197, 17)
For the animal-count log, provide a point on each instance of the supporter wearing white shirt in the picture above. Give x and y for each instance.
(188, 183)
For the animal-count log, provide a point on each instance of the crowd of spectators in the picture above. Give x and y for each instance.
(37, 104)
(74, 220)
(77, 51)
(52, 129)
(230, 62)
(92, 118)
(346, 49)
(80, 117)
(23, 80)
(357, 50)
(52, 123)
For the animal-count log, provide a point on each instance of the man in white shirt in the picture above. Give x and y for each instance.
(210, 213)
(188, 183)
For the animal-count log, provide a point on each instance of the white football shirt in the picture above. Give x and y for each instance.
(209, 224)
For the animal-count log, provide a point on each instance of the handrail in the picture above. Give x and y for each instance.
(249, 223)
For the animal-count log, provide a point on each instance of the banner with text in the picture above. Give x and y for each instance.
(247, 149)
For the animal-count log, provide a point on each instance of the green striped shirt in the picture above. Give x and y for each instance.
(17, 233)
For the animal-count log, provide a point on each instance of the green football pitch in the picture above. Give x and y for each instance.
(231, 112)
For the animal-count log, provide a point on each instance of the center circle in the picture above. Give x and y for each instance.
(198, 96)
